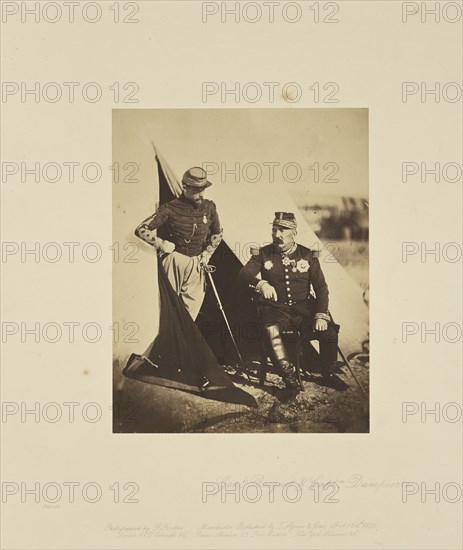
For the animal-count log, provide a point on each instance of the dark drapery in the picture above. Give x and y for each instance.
(183, 359)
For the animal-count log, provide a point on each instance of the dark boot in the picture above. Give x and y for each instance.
(281, 357)
(289, 376)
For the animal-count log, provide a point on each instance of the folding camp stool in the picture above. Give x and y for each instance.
(294, 333)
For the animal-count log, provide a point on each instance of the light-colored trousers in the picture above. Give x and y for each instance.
(187, 279)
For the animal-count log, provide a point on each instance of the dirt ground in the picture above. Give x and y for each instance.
(316, 409)
(146, 408)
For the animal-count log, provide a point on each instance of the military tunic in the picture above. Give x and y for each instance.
(291, 275)
(301, 290)
(193, 228)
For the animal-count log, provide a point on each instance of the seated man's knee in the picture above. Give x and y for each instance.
(328, 335)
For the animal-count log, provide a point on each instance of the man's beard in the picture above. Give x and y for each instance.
(195, 200)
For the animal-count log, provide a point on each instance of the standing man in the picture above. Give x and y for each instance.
(288, 272)
(192, 229)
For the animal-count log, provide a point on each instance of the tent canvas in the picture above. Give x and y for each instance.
(246, 224)
(252, 227)
(246, 212)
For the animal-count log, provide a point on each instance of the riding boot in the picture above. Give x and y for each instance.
(328, 341)
(328, 355)
(280, 354)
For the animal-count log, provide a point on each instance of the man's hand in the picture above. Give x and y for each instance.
(268, 292)
(166, 247)
(321, 324)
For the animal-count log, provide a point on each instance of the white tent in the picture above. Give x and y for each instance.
(253, 225)
(246, 214)
(246, 209)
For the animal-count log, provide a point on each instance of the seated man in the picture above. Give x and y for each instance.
(288, 270)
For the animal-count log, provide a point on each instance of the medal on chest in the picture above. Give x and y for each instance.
(287, 262)
(204, 218)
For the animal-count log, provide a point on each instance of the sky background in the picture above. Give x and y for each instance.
(303, 136)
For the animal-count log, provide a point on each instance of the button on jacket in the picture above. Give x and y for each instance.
(188, 225)
(291, 275)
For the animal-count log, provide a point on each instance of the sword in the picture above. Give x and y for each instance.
(209, 269)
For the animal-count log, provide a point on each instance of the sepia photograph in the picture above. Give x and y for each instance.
(231, 268)
(241, 280)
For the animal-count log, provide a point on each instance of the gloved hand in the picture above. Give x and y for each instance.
(165, 247)
(321, 324)
(268, 292)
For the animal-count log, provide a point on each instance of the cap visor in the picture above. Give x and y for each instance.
(195, 189)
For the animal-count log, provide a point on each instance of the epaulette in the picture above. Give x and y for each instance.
(314, 252)
(255, 251)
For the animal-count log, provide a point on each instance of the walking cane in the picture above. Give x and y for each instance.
(209, 269)
(344, 358)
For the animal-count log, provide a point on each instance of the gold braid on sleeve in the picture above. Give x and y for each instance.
(323, 316)
(214, 242)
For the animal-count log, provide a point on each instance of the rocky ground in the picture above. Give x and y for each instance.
(316, 409)
(140, 407)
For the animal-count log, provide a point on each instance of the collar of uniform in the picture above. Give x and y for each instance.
(290, 251)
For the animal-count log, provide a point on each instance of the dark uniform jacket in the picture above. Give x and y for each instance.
(191, 227)
(291, 275)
